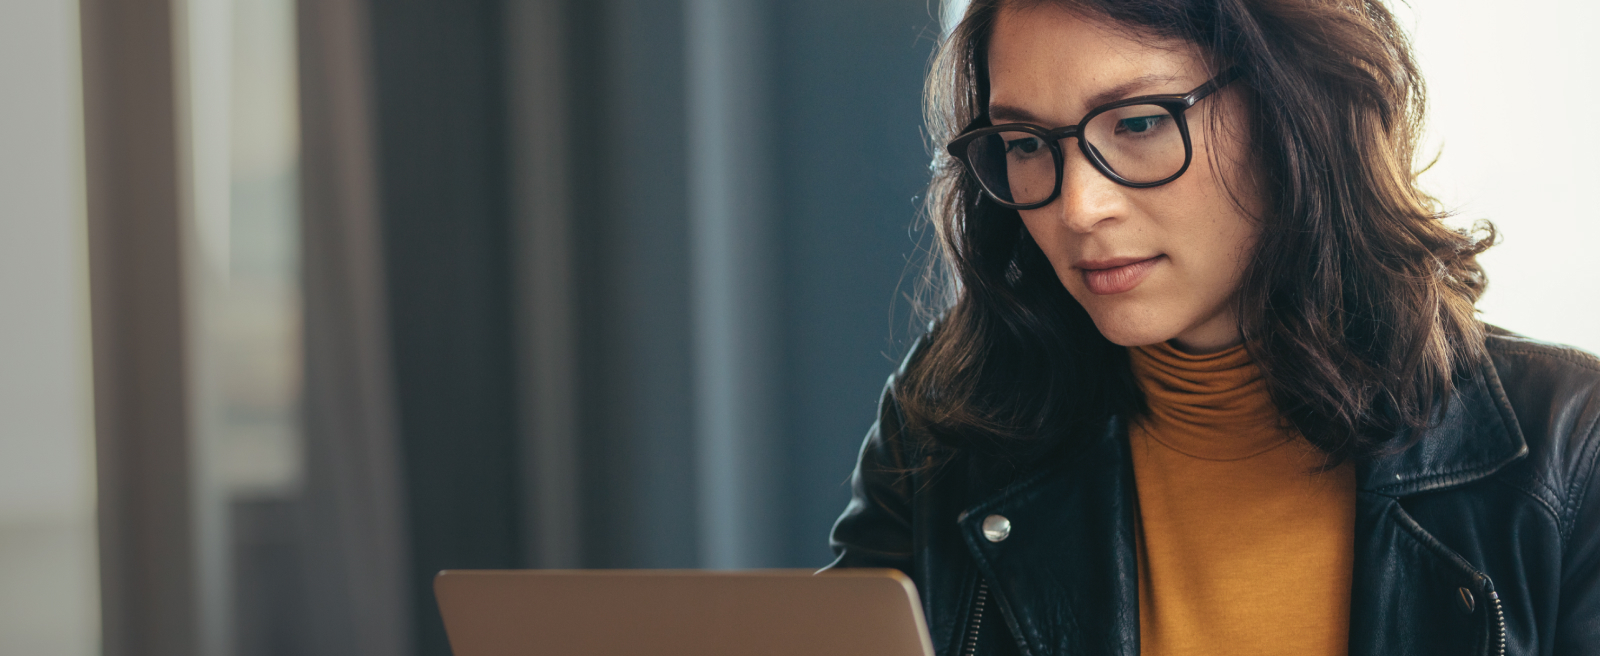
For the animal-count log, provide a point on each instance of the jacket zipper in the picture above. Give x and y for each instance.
(979, 601)
(1500, 621)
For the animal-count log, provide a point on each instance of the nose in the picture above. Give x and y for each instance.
(1088, 198)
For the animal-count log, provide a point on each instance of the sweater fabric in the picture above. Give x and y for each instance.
(1246, 540)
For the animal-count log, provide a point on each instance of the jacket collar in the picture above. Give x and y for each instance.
(1477, 436)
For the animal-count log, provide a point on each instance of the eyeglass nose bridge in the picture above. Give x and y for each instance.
(1064, 132)
(1096, 160)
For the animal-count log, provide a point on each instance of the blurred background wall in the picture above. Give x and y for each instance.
(1491, 69)
(306, 300)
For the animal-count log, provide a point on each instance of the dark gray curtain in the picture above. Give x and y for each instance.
(353, 555)
(714, 209)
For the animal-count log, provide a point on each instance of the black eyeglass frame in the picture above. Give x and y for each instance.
(1175, 104)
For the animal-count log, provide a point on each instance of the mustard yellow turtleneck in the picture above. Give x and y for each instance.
(1245, 547)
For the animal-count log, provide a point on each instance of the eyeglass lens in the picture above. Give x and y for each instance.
(1139, 143)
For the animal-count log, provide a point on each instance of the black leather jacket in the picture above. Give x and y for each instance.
(1484, 538)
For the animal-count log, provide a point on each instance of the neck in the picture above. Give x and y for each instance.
(1219, 334)
(1214, 406)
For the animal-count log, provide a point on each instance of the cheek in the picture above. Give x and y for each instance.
(1052, 239)
(1210, 240)
(1216, 229)
(1222, 252)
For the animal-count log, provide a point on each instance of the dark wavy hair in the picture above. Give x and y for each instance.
(1358, 302)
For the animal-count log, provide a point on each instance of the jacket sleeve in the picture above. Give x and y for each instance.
(1578, 620)
(875, 529)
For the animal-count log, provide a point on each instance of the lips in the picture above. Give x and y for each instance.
(1118, 275)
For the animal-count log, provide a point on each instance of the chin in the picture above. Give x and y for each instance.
(1124, 334)
(1131, 327)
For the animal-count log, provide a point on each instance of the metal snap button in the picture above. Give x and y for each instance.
(996, 528)
(1467, 602)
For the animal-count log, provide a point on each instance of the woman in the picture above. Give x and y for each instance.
(1208, 377)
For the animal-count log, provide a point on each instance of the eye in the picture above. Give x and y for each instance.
(1141, 124)
(1025, 145)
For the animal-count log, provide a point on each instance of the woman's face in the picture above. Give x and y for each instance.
(1149, 265)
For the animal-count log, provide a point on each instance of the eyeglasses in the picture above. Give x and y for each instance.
(1137, 142)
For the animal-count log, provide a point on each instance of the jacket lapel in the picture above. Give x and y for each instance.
(1476, 437)
(1065, 575)
(1410, 593)
(1407, 589)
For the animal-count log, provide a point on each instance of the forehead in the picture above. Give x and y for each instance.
(1055, 64)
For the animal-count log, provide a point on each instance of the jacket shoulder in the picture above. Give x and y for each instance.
(1554, 392)
(1540, 373)
(1504, 344)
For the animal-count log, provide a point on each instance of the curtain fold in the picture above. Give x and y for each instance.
(354, 537)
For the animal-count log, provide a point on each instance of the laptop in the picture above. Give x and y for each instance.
(669, 612)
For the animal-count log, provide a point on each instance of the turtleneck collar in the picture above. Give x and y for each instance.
(1213, 406)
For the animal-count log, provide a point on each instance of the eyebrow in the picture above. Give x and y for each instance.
(1012, 114)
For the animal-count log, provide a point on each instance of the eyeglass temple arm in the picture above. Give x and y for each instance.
(1221, 80)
